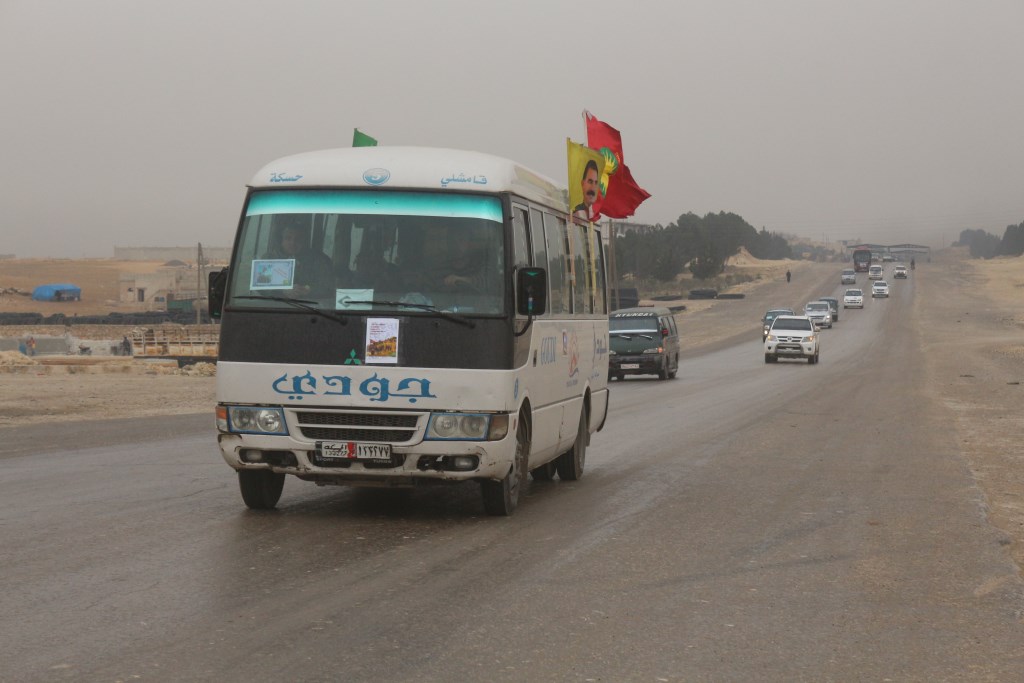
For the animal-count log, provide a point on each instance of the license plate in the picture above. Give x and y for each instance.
(630, 366)
(790, 350)
(351, 450)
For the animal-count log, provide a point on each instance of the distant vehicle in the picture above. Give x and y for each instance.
(792, 336)
(853, 298)
(879, 289)
(643, 341)
(899, 273)
(861, 260)
(887, 258)
(820, 313)
(875, 273)
(834, 303)
(849, 277)
(769, 317)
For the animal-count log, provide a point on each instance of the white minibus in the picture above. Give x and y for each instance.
(394, 316)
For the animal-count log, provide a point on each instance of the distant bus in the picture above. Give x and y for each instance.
(436, 316)
(861, 260)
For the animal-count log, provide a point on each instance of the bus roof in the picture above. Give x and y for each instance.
(410, 168)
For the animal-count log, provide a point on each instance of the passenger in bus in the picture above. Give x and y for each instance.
(371, 269)
(313, 269)
(463, 265)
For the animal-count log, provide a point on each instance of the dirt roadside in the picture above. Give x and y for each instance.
(971, 321)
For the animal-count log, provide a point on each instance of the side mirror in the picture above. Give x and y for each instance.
(217, 285)
(531, 291)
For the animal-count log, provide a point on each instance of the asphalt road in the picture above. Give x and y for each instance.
(742, 522)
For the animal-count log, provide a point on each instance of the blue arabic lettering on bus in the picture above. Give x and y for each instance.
(282, 178)
(376, 388)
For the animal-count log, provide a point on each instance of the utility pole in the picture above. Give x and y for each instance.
(199, 284)
(611, 265)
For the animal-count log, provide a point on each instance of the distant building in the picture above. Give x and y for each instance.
(623, 227)
(162, 288)
(187, 254)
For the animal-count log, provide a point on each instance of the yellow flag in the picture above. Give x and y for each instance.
(586, 166)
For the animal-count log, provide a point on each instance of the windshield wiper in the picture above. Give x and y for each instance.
(304, 304)
(624, 335)
(423, 307)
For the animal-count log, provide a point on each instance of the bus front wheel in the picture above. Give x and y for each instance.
(501, 497)
(261, 489)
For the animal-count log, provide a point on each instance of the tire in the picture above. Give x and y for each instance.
(501, 497)
(663, 372)
(570, 464)
(261, 489)
(672, 373)
(545, 472)
(769, 358)
(812, 360)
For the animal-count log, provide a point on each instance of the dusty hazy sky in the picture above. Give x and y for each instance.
(139, 122)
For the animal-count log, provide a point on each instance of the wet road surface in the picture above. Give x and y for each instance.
(742, 522)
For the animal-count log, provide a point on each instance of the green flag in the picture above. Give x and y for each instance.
(360, 139)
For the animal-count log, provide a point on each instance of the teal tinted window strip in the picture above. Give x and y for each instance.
(375, 203)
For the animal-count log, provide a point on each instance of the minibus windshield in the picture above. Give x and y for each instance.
(366, 250)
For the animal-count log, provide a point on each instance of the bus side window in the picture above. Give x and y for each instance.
(558, 273)
(520, 243)
(537, 243)
(581, 265)
(540, 251)
(602, 287)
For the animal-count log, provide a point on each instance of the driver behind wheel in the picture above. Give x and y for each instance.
(461, 266)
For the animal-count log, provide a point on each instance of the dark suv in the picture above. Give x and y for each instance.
(644, 341)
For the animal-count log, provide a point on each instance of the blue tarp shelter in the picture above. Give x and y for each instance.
(57, 293)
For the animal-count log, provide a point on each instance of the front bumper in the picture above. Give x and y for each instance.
(644, 364)
(413, 460)
(790, 348)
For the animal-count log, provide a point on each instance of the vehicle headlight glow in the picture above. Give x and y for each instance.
(467, 427)
(254, 420)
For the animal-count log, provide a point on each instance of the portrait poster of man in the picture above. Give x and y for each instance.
(585, 169)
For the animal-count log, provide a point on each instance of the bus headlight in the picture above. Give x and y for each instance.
(252, 420)
(467, 427)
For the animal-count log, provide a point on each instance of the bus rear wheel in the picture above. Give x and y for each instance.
(261, 489)
(570, 464)
(501, 497)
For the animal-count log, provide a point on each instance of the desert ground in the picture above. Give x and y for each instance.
(968, 312)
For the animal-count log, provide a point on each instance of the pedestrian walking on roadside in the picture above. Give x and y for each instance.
(789, 276)
(31, 344)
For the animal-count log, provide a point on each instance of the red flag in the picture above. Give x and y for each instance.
(621, 193)
(624, 195)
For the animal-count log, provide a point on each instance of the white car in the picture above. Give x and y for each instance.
(792, 336)
(875, 273)
(853, 298)
(899, 273)
(849, 277)
(880, 288)
(820, 313)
